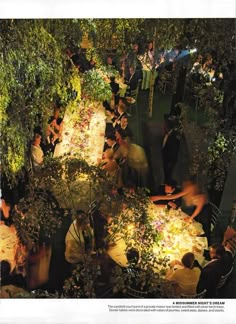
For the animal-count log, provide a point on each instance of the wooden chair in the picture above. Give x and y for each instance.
(167, 81)
(229, 240)
(232, 218)
(215, 214)
(199, 295)
(231, 246)
(134, 94)
(223, 279)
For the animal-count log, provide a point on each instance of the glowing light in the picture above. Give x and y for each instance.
(194, 50)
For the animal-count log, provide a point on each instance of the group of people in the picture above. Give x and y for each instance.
(187, 275)
(190, 278)
(120, 151)
(44, 144)
(204, 69)
(13, 257)
(127, 163)
(195, 204)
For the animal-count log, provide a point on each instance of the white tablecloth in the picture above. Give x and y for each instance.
(8, 245)
(85, 142)
(178, 237)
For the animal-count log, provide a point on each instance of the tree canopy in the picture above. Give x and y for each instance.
(35, 70)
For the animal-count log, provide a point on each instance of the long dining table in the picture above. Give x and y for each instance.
(8, 245)
(177, 237)
(84, 141)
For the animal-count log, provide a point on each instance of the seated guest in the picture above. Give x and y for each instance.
(111, 142)
(121, 155)
(184, 275)
(37, 154)
(120, 137)
(229, 240)
(110, 62)
(114, 89)
(124, 125)
(55, 127)
(6, 217)
(79, 239)
(115, 96)
(121, 109)
(107, 106)
(196, 70)
(197, 206)
(11, 285)
(219, 265)
(47, 146)
(170, 188)
(110, 165)
(122, 151)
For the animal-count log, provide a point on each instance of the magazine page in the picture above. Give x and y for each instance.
(108, 110)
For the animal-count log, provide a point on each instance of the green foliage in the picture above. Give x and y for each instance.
(212, 147)
(37, 214)
(115, 33)
(220, 154)
(209, 35)
(83, 281)
(73, 181)
(34, 69)
(75, 184)
(210, 101)
(67, 32)
(39, 293)
(92, 54)
(132, 223)
(95, 87)
(148, 281)
(31, 70)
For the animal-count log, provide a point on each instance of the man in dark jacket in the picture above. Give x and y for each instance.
(132, 80)
(169, 188)
(219, 265)
(115, 89)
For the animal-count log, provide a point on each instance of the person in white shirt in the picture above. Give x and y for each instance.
(184, 275)
(37, 154)
(79, 239)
